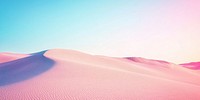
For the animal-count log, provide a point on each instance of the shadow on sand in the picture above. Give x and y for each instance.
(25, 68)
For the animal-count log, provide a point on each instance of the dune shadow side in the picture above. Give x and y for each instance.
(25, 68)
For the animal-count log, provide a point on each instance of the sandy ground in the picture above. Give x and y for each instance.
(70, 75)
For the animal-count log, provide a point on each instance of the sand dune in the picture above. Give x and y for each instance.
(5, 57)
(70, 75)
(192, 65)
(24, 68)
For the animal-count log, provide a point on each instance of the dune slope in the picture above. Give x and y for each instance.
(70, 75)
(24, 68)
(6, 57)
(192, 65)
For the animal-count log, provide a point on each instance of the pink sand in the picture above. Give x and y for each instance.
(5, 57)
(192, 65)
(69, 75)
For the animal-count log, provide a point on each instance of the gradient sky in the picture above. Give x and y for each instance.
(158, 29)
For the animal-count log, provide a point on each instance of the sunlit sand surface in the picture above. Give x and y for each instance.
(70, 75)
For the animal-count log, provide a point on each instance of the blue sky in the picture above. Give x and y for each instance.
(46, 24)
(157, 29)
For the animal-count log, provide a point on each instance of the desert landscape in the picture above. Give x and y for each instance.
(99, 50)
(60, 74)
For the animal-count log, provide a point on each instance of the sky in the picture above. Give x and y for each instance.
(156, 29)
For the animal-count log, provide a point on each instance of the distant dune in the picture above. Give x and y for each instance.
(59, 74)
(5, 57)
(192, 65)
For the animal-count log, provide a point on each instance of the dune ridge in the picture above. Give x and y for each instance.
(192, 65)
(24, 68)
(6, 57)
(60, 74)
